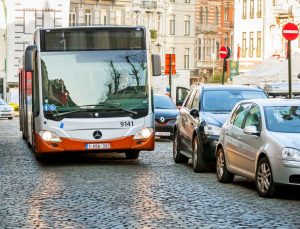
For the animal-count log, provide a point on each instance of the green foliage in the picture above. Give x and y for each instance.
(217, 78)
(153, 34)
(15, 106)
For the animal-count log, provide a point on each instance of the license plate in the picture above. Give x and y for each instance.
(98, 146)
(162, 133)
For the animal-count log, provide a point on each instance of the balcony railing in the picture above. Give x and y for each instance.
(149, 4)
(206, 28)
(282, 10)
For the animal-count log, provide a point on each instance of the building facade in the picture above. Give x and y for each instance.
(23, 18)
(258, 30)
(3, 51)
(214, 28)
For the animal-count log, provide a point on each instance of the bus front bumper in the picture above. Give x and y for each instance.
(118, 144)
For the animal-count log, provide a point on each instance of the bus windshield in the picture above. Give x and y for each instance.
(74, 79)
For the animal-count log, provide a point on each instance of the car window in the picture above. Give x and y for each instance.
(195, 104)
(188, 103)
(283, 118)
(254, 117)
(2, 102)
(241, 113)
(163, 102)
(225, 100)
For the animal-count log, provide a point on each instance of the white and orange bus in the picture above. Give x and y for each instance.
(88, 89)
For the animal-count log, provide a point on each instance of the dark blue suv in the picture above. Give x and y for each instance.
(203, 112)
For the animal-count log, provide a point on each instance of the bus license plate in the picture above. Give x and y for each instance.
(162, 133)
(98, 146)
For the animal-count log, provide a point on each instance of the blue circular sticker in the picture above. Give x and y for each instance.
(52, 107)
(46, 107)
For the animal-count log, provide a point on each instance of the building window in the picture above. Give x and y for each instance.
(226, 9)
(258, 8)
(187, 1)
(199, 49)
(171, 0)
(251, 9)
(206, 15)
(172, 50)
(244, 9)
(88, 17)
(258, 45)
(204, 49)
(217, 16)
(72, 18)
(251, 45)
(186, 58)
(244, 44)
(172, 24)
(201, 15)
(187, 25)
(274, 2)
(226, 39)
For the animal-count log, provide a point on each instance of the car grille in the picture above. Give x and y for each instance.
(295, 179)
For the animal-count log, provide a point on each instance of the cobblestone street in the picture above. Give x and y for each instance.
(95, 191)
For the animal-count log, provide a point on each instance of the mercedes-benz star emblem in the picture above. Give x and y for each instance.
(97, 134)
(162, 119)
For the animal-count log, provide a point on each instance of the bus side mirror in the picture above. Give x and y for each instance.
(30, 53)
(156, 65)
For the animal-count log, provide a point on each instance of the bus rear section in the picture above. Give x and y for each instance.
(87, 89)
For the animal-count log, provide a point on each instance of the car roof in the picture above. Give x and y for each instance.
(226, 87)
(274, 102)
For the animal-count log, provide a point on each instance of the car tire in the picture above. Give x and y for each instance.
(199, 163)
(264, 179)
(133, 154)
(223, 175)
(177, 156)
(10, 118)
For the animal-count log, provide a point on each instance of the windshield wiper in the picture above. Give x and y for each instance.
(93, 107)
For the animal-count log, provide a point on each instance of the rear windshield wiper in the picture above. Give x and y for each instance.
(93, 107)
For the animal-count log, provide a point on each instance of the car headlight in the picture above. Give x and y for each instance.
(49, 136)
(290, 154)
(212, 129)
(143, 133)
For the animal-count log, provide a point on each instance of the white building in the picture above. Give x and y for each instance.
(23, 18)
(171, 23)
(258, 29)
(2, 50)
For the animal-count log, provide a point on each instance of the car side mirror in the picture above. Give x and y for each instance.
(251, 130)
(195, 113)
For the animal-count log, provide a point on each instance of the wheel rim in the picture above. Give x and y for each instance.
(220, 163)
(264, 177)
(195, 156)
(175, 145)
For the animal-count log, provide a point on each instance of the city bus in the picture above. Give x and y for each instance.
(88, 89)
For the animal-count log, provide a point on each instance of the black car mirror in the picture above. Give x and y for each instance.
(251, 130)
(195, 113)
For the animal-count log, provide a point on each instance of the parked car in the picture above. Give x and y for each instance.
(261, 141)
(165, 116)
(6, 111)
(197, 128)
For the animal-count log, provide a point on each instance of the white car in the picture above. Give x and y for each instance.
(261, 141)
(6, 111)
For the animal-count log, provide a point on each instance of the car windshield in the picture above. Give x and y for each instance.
(225, 100)
(283, 118)
(163, 102)
(77, 78)
(2, 102)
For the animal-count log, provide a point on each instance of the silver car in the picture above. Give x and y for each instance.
(261, 141)
(6, 111)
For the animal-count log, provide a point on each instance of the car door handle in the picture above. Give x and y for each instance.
(239, 138)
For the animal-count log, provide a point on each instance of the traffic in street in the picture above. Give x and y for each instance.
(97, 190)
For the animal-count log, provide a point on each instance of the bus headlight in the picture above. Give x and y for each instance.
(49, 136)
(143, 133)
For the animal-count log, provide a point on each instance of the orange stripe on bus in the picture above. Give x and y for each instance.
(117, 144)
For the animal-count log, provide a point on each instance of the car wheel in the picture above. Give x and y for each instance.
(132, 154)
(10, 118)
(199, 163)
(223, 175)
(264, 178)
(177, 156)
